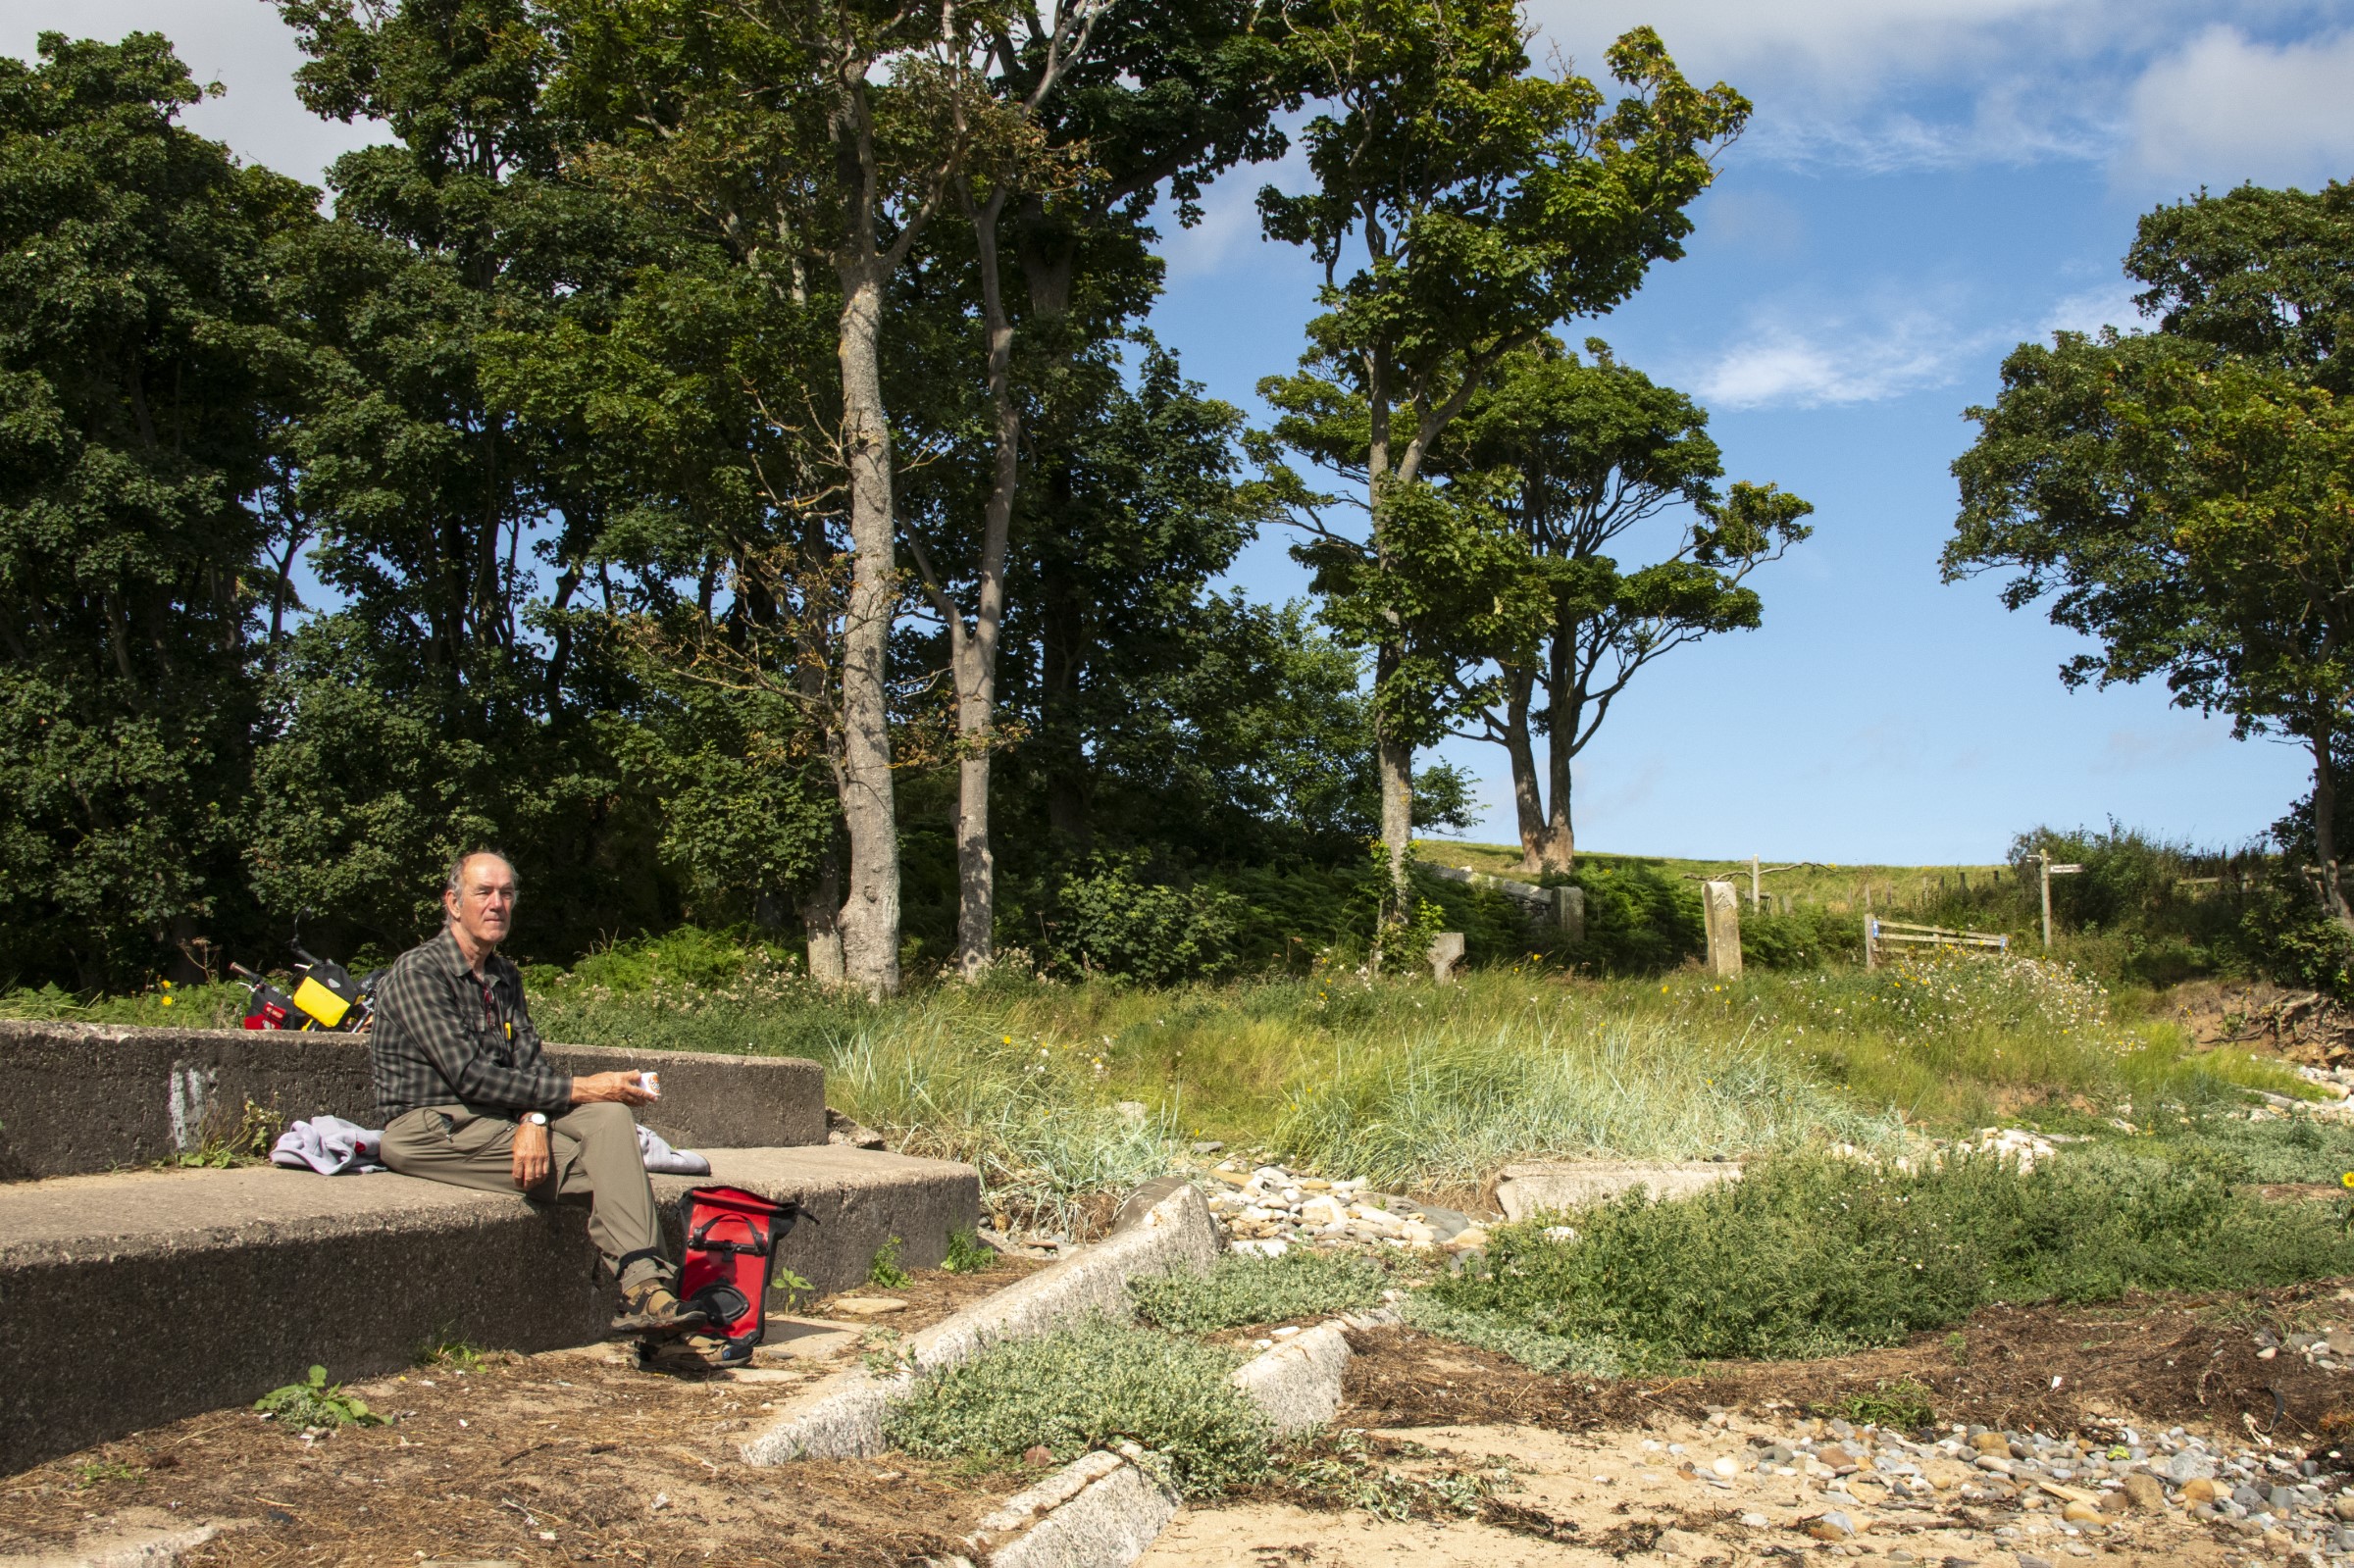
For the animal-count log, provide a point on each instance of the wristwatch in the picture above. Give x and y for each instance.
(536, 1118)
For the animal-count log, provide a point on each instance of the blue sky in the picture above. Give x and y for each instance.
(1926, 182)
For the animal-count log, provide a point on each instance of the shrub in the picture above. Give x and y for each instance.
(1549, 1353)
(1811, 1255)
(1089, 1387)
(1246, 1289)
(1110, 920)
(1639, 920)
(1809, 936)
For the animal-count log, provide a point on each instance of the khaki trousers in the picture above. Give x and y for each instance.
(591, 1149)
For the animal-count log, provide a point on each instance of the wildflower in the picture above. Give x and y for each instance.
(1009, 1038)
(2345, 1181)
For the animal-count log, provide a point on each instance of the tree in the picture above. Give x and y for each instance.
(1585, 454)
(1106, 103)
(143, 376)
(444, 701)
(1489, 203)
(2181, 495)
(810, 137)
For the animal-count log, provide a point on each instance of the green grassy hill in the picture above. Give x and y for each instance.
(1835, 885)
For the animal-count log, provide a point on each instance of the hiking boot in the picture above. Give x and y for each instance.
(653, 1310)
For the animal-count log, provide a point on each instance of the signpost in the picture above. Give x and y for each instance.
(2044, 859)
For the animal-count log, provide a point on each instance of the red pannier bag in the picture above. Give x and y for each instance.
(731, 1237)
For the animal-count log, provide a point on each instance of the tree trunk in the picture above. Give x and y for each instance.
(2324, 828)
(1558, 849)
(870, 915)
(977, 671)
(821, 903)
(1528, 801)
(1394, 762)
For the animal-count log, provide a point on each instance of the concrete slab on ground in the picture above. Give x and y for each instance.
(1557, 1185)
(841, 1417)
(137, 1297)
(91, 1098)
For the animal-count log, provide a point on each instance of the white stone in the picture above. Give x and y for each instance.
(1321, 1210)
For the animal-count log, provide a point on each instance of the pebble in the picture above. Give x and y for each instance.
(1268, 1207)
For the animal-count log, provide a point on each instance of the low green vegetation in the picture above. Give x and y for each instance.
(1901, 1403)
(884, 1269)
(1813, 1256)
(316, 1402)
(968, 1253)
(1244, 1289)
(1086, 1386)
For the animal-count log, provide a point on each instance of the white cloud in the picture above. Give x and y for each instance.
(2225, 108)
(1840, 359)
(1885, 86)
(1793, 357)
(238, 43)
(2087, 312)
(2131, 750)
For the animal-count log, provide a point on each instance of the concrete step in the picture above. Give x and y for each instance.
(84, 1098)
(138, 1297)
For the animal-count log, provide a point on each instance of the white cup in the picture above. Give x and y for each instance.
(651, 1083)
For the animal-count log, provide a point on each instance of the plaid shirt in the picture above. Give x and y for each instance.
(441, 1036)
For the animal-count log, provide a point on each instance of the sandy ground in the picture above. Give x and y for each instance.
(1593, 1473)
(1604, 1497)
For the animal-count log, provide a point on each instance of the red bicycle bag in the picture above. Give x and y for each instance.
(731, 1237)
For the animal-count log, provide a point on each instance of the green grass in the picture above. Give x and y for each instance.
(1813, 1256)
(1244, 1289)
(1088, 1387)
(1418, 1087)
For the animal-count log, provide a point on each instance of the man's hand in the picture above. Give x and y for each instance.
(532, 1163)
(623, 1087)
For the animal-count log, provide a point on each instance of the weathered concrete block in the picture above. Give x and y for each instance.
(1446, 956)
(1569, 912)
(1297, 1383)
(88, 1098)
(138, 1297)
(1102, 1510)
(840, 1417)
(1562, 1184)
(1721, 912)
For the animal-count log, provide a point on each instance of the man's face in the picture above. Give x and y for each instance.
(484, 902)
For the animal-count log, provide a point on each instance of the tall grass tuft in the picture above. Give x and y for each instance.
(1442, 1108)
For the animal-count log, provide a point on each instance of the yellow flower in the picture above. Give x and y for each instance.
(1009, 1038)
(166, 984)
(168, 1002)
(2346, 1180)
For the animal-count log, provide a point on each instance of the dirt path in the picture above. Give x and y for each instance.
(570, 1456)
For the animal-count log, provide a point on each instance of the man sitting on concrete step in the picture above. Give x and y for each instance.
(468, 1098)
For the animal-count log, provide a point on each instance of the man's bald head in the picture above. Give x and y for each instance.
(478, 900)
